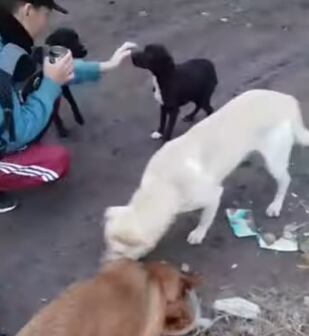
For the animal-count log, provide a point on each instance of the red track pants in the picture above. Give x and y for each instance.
(36, 165)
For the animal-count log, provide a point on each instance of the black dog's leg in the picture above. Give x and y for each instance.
(208, 109)
(61, 129)
(163, 118)
(190, 117)
(206, 102)
(171, 124)
(69, 97)
(63, 132)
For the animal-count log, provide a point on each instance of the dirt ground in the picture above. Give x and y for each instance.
(55, 237)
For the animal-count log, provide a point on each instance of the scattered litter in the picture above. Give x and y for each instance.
(143, 13)
(238, 307)
(249, 25)
(224, 19)
(234, 266)
(269, 238)
(303, 267)
(280, 245)
(205, 323)
(303, 239)
(304, 245)
(241, 222)
(306, 301)
(305, 206)
(185, 268)
(205, 13)
(290, 231)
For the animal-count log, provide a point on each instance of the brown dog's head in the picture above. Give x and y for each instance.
(174, 286)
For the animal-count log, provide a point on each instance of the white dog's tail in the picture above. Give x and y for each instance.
(300, 131)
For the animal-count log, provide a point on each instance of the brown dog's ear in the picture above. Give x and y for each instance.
(168, 278)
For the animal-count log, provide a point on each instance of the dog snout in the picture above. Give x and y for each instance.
(138, 59)
(82, 53)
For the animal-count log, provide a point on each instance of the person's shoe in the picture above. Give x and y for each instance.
(7, 203)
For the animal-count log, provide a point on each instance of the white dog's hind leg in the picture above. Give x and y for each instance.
(277, 154)
(208, 215)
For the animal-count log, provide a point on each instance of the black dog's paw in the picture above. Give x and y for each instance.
(166, 138)
(188, 118)
(156, 135)
(63, 132)
(79, 119)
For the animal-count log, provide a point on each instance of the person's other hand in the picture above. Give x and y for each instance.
(60, 72)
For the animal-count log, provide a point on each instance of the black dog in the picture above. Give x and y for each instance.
(69, 39)
(177, 84)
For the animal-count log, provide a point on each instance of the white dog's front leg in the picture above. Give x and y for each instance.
(208, 215)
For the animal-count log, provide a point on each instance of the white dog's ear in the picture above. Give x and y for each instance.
(111, 212)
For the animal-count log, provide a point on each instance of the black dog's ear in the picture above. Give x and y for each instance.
(161, 55)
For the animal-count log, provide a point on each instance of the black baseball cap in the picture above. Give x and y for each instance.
(49, 4)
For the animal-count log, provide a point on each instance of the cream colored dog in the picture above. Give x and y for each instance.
(187, 173)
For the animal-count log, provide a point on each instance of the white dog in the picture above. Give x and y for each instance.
(187, 173)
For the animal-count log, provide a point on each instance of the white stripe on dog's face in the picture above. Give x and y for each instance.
(157, 91)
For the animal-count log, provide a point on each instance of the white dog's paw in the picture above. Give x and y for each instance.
(274, 210)
(196, 236)
(156, 135)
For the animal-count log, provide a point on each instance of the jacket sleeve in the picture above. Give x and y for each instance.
(86, 72)
(32, 117)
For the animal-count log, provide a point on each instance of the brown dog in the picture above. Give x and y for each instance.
(126, 298)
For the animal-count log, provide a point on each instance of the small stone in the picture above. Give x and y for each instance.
(224, 19)
(205, 13)
(269, 238)
(43, 300)
(306, 301)
(234, 266)
(249, 25)
(143, 13)
(294, 195)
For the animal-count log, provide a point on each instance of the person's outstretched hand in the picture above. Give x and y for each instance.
(119, 56)
(60, 72)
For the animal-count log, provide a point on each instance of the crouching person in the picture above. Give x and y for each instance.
(25, 163)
